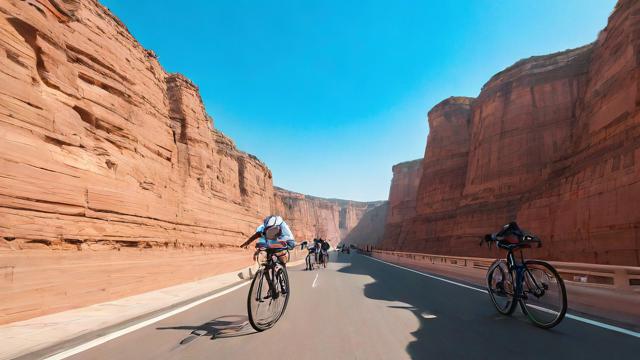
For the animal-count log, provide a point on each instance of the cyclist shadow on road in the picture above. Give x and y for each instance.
(218, 328)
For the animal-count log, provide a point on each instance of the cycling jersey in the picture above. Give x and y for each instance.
(285, 235)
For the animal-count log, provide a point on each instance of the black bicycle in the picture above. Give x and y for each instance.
(537, 286)
(270, 291)
(324, 258)
(310, 259)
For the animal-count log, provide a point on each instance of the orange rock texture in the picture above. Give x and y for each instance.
(102, 150)
(402, 202)
(370, 228)
(552, 142)
(310, 216)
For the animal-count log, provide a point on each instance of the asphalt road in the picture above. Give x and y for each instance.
(361, 308)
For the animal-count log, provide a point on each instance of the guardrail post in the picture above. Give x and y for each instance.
(621, 279)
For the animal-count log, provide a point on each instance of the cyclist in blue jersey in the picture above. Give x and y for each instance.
(273, 233)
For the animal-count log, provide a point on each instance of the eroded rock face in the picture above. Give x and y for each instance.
(101, 148)
(402, 201)
(551, 142)
(310, 217)
(106, 155)
(369, 230)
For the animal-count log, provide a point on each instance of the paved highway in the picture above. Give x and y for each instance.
(361, 308)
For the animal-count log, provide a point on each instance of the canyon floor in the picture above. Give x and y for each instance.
(360, 307)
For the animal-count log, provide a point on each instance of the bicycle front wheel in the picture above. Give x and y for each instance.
(544, 294)
(500, 287)
(266, 303)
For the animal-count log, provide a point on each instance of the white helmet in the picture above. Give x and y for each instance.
(272, 229)
(272, 220)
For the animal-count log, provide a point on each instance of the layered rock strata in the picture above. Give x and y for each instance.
(311, 217)
(102, 150)
(552, 142)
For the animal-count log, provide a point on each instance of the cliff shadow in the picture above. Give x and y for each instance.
(457, 322)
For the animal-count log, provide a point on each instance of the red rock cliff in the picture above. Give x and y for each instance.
(102, 149)
(553, 143)
(311, 217)
(402, 201)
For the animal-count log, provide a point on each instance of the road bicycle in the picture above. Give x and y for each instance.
(323, 256)
(310, 259)
(535, 284)
(269, 292)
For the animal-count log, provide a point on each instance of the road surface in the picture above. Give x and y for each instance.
(361, 308)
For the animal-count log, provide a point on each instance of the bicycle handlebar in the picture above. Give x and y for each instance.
(510, 229)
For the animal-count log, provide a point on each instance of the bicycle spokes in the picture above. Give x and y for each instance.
(268, 297)
(500, 287)
(543, 294)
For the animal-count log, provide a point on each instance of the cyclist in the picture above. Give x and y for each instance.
(312, 253)
(324, 249)
(273, 233)
(316, 247)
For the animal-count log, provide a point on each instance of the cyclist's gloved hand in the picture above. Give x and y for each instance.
(291, 244)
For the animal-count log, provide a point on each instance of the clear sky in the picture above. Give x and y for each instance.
(330, 94)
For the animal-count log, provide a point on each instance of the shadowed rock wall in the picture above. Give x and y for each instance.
(552, 142)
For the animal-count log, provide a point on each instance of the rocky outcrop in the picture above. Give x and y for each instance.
(101, 148)
(402, 201)
(115, 164)
(369, 230)
(311, 217)
(551, 142)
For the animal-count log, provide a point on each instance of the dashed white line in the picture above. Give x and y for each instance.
(315, 281)
(570, 316)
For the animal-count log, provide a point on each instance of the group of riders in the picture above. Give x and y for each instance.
(318, 253)
(274, 233)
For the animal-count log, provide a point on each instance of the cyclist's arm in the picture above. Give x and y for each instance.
(253, 238)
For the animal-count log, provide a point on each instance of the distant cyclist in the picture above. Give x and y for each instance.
(324, 250)
(274, 233)
(316, 247)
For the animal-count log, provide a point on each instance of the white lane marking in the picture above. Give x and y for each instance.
(315, 281)
(570, 316)
(115, 334)
(429, 275)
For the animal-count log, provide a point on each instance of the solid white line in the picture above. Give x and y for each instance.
(429, 275)
(115, 334)
(570, 316)
(314, 281)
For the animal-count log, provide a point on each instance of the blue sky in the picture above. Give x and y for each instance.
(331, 94)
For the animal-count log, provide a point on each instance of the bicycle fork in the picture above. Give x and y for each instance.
(266, 274)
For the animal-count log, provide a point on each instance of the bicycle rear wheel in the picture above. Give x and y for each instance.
(266, 305)
(500, 287)
(545, 296)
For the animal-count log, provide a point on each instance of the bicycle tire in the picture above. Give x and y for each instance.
(504, 272)
(255, 322)
(561, 312)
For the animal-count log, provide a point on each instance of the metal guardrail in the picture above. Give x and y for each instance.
(617, 277)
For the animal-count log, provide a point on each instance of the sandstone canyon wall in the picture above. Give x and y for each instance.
(113, 179)
(369, 231)
(311, 217)
(552, 142)
(402, 201)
